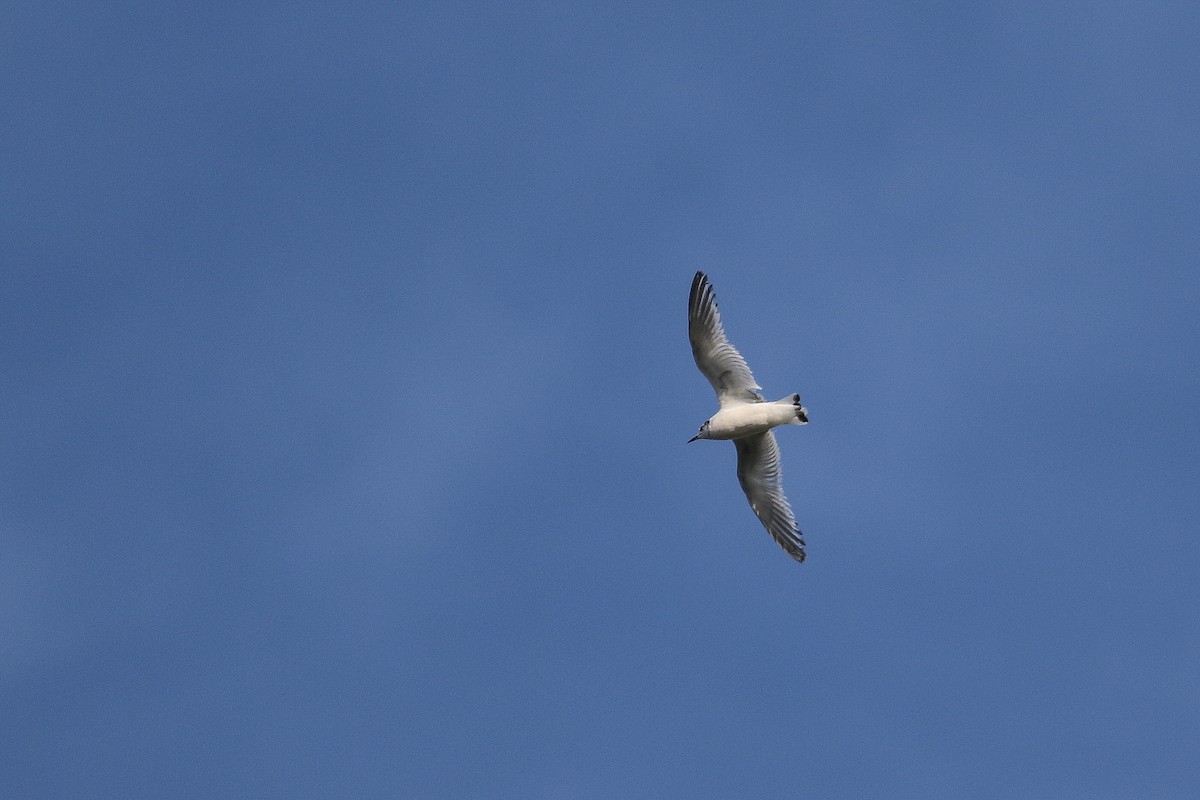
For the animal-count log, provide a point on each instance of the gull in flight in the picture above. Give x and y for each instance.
(744, 417)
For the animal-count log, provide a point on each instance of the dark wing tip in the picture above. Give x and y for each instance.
(702, 300)
(788, 537)
(795, 549)
(695, 297)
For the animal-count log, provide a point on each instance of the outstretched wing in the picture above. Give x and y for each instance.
(760, 476)
(720, 362)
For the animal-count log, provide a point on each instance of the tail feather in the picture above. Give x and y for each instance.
(801, 411)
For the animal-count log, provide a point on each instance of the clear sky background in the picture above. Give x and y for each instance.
(346, 385)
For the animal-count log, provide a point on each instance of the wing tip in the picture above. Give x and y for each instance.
(700, 287)
(796, 549)
(792, 542)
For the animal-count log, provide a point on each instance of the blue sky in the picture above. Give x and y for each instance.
(347, 385)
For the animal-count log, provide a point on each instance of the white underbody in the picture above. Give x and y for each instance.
(737, 421)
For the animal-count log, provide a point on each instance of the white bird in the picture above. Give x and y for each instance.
(744, 417)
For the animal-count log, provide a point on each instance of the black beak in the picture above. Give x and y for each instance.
(694, 438)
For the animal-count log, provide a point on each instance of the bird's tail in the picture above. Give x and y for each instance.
(801, 412)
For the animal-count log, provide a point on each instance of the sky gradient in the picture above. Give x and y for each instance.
(347, 388)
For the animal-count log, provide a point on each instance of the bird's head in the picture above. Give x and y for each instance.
(703, 434)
